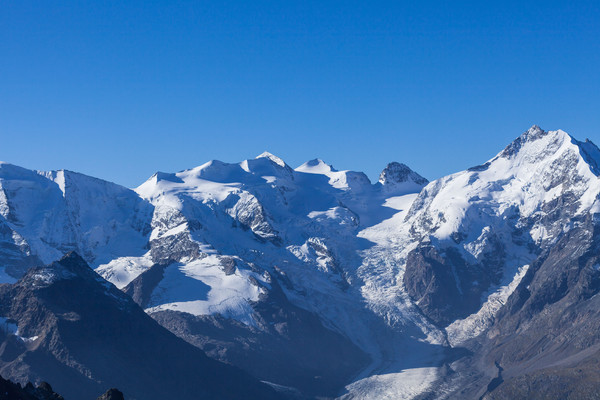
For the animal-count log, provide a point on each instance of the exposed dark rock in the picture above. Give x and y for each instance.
(442, 283)
(546, 339)
(395, 173)
(228, 264)
(85, 335)
(173, 248)
(112, 394)
(141, 288)
(288, 346)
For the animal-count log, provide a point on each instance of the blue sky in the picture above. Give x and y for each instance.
(119, 89)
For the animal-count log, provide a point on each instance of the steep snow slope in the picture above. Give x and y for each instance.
(533, 171)
(46, 214)
(201, 288)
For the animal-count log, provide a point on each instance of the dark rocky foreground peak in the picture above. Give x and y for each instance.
(14, 391)
(112, 394)
(288, 345)
(79, 332)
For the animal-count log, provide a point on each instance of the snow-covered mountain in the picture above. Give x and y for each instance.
(509, 232)
(233, 236)
(44, 215)
(319, 280)
(486, 224)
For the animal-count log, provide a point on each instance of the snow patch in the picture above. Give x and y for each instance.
(203, 288)
(121, 271)
(47, 276)
(273, 158)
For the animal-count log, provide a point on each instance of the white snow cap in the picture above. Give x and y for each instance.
(273, 158)
(316, 166)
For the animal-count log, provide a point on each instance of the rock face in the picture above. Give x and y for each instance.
(546, 338)
(441, 283)
(83, 334)
(287, 344)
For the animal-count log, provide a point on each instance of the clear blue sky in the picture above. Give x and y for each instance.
(120, 89)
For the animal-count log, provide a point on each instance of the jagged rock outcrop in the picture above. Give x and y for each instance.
(13, 391)
(396, 173)
(112, 394)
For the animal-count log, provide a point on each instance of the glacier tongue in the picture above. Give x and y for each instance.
(474, 325)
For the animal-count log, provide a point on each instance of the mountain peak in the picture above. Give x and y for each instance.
(535, 129)
(73, 261)
(397, 173)
(534, 134)
(316, 166)
(274, 158)
(68, 267)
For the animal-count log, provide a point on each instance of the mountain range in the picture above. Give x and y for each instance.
(259, 280)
